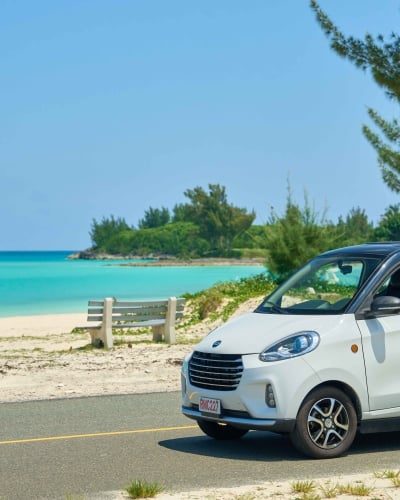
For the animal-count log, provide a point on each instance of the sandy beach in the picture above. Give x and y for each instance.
(42, 358)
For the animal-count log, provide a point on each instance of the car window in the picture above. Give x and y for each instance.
(324, 286)
(391, 285)
(382, 288)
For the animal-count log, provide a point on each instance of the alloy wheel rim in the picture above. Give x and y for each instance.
(328, 423)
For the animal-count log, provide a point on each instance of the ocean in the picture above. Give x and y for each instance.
(40, 282)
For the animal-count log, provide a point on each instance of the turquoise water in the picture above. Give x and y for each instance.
(48, 283)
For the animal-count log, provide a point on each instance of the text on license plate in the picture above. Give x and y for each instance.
(208, 405)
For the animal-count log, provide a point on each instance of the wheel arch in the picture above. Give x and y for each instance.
(347, 389)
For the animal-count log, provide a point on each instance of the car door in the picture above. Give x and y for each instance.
(381, 346)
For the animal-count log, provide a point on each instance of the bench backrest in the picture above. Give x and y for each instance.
(134, 311)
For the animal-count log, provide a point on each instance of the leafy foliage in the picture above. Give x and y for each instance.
(296, 237)
(389, 225)
(205, 226)
(218, 221)
(253, 238)
(180, 239)
(155, 217)
(227, 296)
(382, 57)
(103, 233)
(356, 228)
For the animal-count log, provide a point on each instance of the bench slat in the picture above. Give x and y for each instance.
(97, 310)
(95, 318)
(134, 310)
(142, 324)
(179, 302)
(128, 319)
(145, 302)
(95, 303)
(137, 317)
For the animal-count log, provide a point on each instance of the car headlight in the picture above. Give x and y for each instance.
(290, 347)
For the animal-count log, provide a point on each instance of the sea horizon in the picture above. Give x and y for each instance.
(41, 282)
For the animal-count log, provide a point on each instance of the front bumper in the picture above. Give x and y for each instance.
(282, 426)
(246, 406)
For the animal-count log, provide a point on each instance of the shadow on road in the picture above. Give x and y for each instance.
(372, 443)
(253, 446)
(262, 446)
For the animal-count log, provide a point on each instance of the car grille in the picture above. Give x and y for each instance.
(218, 372)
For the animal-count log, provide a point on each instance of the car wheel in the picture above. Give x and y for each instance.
(220, 431)
(326, 424)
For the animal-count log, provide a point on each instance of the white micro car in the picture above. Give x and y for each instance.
(319, 359)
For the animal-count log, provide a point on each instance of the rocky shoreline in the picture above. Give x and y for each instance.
(154, 261)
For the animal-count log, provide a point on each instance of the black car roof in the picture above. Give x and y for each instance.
(378, 249)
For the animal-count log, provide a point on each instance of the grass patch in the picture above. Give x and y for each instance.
(393, 475)
(143, 489)
(303, 486)
(387, 474)
(358, 489)
(329, 490)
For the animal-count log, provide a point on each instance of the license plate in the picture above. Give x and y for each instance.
(209, 405)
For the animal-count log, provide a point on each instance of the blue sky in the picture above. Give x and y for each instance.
(108, 107)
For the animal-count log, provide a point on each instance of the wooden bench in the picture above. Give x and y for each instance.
(111, 314)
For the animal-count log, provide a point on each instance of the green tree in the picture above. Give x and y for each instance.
(155, 217)
(296, 237)
(218, 220)
(382, 57)
(388, 228)
(180, 239)
(356, 228)
(252, 238)
(103, 232)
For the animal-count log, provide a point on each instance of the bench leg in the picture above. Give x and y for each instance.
(104, 332)
(98, 338)
(106, 337)
(169, 328)
(158, 331)
(95, 336)
(106, 327)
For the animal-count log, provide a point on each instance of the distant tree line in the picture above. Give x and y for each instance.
(209, 226)
(206, 225)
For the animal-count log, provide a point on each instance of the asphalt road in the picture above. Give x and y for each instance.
(80, 447)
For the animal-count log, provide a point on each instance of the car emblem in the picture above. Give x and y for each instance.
(216, 343)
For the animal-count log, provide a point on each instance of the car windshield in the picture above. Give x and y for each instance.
(326, 285)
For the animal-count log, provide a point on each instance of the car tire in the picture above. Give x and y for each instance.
(222, 432)
(326, 424)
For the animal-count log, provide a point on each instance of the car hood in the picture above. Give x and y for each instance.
(251, 333)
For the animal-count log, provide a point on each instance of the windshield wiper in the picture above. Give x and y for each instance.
(274, 307)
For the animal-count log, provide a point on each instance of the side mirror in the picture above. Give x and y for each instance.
(385, 305)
